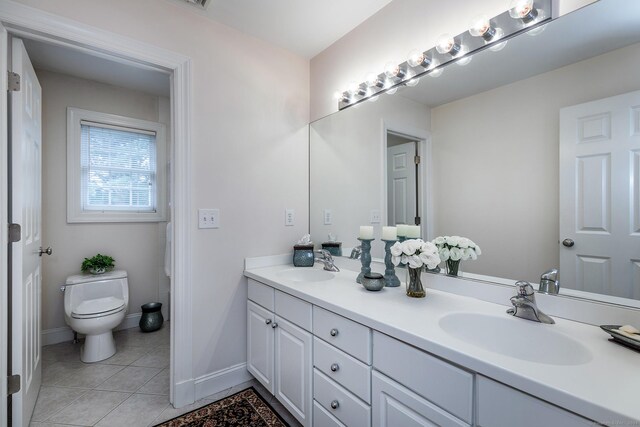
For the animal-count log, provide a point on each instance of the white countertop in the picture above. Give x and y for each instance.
(604, 389)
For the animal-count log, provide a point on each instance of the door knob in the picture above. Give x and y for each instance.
(568, 243)
(335, 367)
(47, 251)
(335, 404)
(333, 332)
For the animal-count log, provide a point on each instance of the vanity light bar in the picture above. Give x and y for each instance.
(523, 16)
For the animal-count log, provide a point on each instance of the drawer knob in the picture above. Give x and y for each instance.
(274, 325)
(335, 404)
(333, 332)
(268, 321)
(335, 367)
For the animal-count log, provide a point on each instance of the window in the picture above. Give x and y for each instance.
(115, 168)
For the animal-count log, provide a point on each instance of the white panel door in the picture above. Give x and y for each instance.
(401, 184)
(294, 364)
(260, 344)
(4, 219)
(26, 210)
(600, 196)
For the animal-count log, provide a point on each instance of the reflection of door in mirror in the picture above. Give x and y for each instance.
(599, 204)
(402, 180)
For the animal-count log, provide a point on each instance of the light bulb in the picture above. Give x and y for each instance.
(352, 88)
(524, 10)
(447, 44)
(481, 27)
(394, 71)
(372, 79)
(337, 95)
(418, 59)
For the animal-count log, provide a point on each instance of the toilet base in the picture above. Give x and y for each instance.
(98, 347)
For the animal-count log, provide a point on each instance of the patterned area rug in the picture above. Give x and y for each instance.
(245, 408)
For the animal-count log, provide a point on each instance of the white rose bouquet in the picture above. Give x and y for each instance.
(453, 249)
(415, 253)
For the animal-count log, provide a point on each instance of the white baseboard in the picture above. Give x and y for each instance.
(58, 335)
(183, 394)
(215, 382)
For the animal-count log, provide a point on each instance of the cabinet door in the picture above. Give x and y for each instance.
(394, 405)
(260, 344)
(293, 369)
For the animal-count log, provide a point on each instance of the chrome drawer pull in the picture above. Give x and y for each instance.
(335, 367)
(268, 321)
(333, 332)
(335, 404)
(274, 325)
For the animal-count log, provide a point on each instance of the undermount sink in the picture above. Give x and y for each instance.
(306, 275)
(518, 338)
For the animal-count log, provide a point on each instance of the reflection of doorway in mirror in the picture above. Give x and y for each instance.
(402, 180)
(599, 196)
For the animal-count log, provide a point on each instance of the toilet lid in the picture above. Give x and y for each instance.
(98, 306)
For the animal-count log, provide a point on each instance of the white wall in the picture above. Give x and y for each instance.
(136, 247)
(348, 172)
(250, 110)
(389, 35)
(496, 175)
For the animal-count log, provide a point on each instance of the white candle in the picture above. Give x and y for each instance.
(366, 232)
(402, 230)
(389, 233)
(413, 231)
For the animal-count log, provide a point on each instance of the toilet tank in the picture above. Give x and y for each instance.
(83, 287)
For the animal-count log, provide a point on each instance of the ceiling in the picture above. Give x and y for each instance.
(79, 63)
(304, 27)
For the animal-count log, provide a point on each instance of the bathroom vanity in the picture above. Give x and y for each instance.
(335, 354)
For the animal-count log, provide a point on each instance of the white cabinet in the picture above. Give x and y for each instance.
(394, 405)
(293, 369)
(260, 341)
(279, 353)
(520, 409)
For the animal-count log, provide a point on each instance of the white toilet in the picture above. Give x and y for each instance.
(94, 305)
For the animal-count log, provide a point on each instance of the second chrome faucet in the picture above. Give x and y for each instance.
(524, 304)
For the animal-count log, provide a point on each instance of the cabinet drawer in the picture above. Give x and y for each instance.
(349, 372)
(322, 418)
(349, 409)
(393, 405)
(343, 333)
(522, 409)
(293, 309)
(445, 385)
(262, 294)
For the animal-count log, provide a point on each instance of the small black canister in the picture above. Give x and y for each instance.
(151, 319)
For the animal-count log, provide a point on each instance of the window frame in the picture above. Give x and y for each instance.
(75, 211)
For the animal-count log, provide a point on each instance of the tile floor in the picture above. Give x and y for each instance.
(129, 389)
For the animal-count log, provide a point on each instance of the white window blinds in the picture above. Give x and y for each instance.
(118, 168)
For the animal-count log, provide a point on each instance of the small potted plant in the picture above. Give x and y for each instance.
(97, 264)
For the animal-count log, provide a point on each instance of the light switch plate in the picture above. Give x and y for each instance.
(208, 218)
(289, 217)
(328, 216)
(376, 217)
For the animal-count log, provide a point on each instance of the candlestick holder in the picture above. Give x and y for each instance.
(390, 278)
(365, 258)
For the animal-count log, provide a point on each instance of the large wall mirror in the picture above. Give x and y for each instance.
(519, 149)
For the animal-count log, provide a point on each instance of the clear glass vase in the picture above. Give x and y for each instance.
(414, 283)
(453, 268)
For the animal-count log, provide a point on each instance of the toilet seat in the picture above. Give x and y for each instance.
(98, 307)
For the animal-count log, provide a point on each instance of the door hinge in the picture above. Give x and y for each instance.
(416, 159)
(417, 220)
(13, 81)
(13, 384)
(14, 233)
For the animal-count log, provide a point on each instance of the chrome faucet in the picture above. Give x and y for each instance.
(524, 304)
(549, 282)
(324, 256)
(356, 252)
